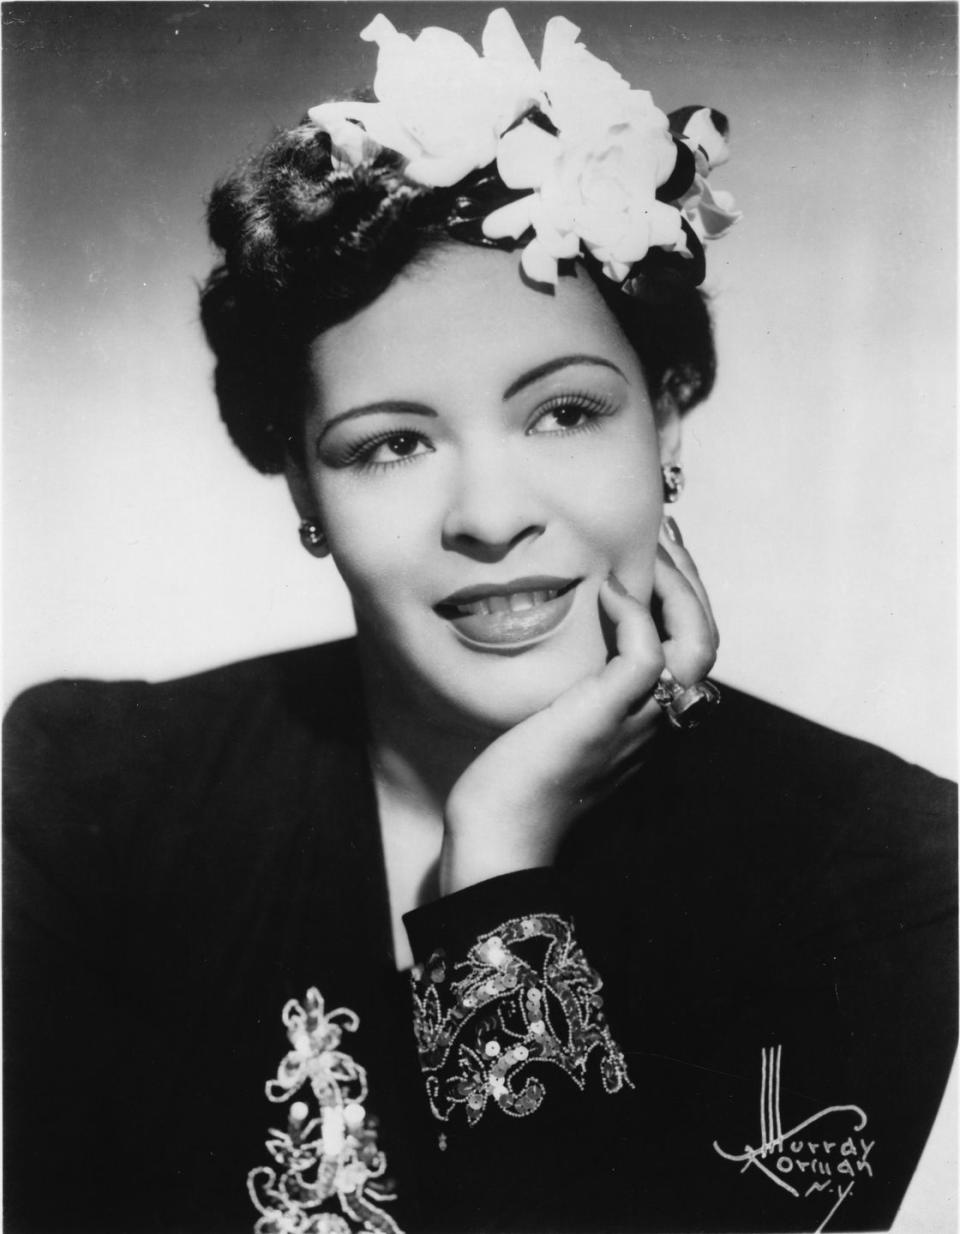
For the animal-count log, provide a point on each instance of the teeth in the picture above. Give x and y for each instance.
(516, 602)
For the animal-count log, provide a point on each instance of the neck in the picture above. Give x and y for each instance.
(417, 755)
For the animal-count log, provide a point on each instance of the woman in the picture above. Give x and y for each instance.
(623, 941)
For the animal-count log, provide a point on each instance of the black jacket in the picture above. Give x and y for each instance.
(762, 930)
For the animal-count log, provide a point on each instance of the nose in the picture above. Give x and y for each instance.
(492, 505)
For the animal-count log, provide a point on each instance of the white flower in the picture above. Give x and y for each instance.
(440, 105)
(600, 193)
(595, 182)
(586, 95)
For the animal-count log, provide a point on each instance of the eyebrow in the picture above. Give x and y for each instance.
(553, 366)
(390, 406)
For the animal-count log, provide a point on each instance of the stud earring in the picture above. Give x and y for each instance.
(673, 481)
(313, 539)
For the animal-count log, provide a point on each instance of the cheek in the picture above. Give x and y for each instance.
(375, 542)
(623, 507)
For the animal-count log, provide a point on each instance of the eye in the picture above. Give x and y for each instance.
(568, 414)
(390, 449)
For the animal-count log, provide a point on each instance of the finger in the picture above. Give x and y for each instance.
(689, 646)
(633, 627)
(672, 541)
(629, 751)
(630, 676)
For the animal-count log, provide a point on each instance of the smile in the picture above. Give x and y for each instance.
(509, 616)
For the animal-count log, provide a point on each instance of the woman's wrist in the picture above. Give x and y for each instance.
(466, 859)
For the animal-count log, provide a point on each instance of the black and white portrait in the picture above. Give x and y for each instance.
(480, 617)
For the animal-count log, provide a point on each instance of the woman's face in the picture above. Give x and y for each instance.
(480, 456)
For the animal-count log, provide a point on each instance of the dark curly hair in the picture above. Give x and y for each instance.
(305, 245)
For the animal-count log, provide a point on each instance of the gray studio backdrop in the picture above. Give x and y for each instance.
(820, 475)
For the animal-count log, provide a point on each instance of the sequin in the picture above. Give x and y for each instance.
(331, 1177)
(546, 1001)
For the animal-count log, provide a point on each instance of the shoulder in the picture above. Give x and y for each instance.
(308, 677)
(792, 759)
(86, 731)
(824, 817)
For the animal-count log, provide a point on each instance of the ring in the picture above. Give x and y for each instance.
(685, 707)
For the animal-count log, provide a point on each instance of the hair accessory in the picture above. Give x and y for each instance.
(585, 164)
(312, 538)
(685, 706)
(673, 481)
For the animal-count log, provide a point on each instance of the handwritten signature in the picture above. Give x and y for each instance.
(788, 1157)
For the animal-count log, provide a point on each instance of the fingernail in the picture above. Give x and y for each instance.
(616, 585)
(672, 530)
(664, 556)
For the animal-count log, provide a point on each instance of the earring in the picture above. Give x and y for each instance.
(312, 538)
(673, 481)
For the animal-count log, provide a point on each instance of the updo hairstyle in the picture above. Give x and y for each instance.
(305, 245)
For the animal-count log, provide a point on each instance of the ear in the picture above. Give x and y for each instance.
(667, 416)
(311, 526)
(299, 488)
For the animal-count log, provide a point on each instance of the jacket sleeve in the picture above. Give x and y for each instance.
(520, 1066)
(587, 1034)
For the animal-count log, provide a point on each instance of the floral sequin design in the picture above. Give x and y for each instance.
(330, 1173)
(525, 994)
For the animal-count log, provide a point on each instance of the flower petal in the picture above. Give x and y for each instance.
(384, 127)
(381, 30)
(501, 41)
(556, 237)
(666, 226)
(711, 214)
(511, 220)
(348, 138)
(511, 71)
(583, 92)
(525, 155)
(440, 171)
(537, 264)
(617, 270)
(717, 223)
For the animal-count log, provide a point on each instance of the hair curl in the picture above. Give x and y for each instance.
(305, 245)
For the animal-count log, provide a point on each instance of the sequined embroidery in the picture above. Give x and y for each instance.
(480, 1026)
(331, 1176)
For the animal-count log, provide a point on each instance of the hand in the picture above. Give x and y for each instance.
(514, 803)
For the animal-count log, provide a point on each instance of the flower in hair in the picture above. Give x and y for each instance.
(594, 181)
(588, 165)
(440, 105)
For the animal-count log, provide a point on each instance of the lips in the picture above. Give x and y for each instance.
(509, 615)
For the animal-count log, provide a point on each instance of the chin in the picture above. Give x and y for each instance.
(497, 692)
